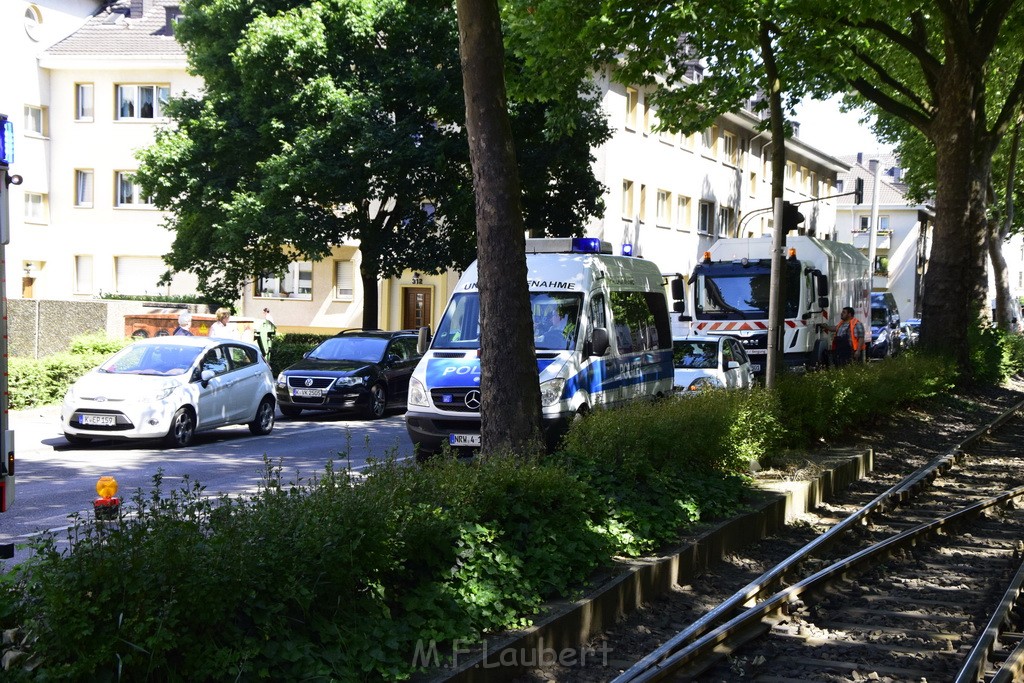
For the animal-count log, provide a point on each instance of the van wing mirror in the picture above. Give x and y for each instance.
(823, 302)
(679, 306)
(599, 342)
(821, 282)
(423, 340)
(678, 290)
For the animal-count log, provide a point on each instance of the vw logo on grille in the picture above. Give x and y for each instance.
(309, 382)
(473, 399)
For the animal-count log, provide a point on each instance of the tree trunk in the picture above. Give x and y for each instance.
(371, 299)
(509, 388)
(955, 287)
(1007, 308)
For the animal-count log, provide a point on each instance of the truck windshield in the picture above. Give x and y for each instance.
(742, 293)
(556, 319)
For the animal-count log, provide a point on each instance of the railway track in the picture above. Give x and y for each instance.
(920, 584)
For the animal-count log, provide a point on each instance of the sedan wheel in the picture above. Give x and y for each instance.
(264, 422)
(378, 402)
(183, 429)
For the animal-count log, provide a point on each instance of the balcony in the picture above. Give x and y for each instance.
(862, 239)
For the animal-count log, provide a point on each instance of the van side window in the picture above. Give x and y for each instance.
(597, 313)
(635, 325)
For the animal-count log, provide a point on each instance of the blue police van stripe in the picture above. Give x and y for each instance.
(465, 372)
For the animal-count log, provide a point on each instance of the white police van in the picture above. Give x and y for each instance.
(602, 337)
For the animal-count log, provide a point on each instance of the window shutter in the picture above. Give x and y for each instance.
(344, 278)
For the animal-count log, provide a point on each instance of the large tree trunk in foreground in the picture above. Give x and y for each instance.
(510, 393)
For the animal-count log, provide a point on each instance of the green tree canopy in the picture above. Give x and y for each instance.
(322, 122)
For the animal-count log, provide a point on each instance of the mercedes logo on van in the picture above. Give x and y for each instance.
(473, 399)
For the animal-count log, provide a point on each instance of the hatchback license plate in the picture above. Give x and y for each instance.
(97, 420)
(464, 439)
(309, 393)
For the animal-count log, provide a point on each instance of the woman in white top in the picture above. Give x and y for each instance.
(221, 328)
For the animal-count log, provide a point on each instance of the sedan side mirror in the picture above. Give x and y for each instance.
(205, 376)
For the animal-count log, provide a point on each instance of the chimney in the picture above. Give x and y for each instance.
(138, 8)
(860, 157)
(872, 165)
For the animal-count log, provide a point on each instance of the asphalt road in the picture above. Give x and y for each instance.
(55, 480)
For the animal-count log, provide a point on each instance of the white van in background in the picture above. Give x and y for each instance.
(602, 337)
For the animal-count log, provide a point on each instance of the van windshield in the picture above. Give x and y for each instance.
(556, 321)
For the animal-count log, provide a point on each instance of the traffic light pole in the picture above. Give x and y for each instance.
(6, 434)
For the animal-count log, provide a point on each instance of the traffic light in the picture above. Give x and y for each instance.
(858, 192)
(791, 217)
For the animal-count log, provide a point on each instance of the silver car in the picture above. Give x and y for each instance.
(710, 363)
(170, 388)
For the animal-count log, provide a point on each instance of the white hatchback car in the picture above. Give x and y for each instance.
(710, 363)
(170, 388)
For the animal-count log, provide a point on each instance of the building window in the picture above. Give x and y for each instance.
(627, 198)
(649, 121)
(790, 172)
(709, 140)
(682, 212)
(128, 193)
(295, 283)
(725, 222)
(663, 210)
(729, 148)
(83, 274)
(35, 120)
(641, 210)
(814, 184)
(344, 280)
(883, 222)
(706, 218)
(632, 101)
(35, 207)
(33, 22)
(83, 188)
(141, 101)
(753, 183)
(83, 101)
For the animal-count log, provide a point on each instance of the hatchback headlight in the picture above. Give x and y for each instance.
(702, 383)
(349, 381)
(417, 393)
(551, 391)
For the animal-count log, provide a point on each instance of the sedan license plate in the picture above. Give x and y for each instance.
(97, 420)
(309, 393)
(464, 439)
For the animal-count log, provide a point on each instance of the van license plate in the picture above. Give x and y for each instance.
(464, 439)
(97, 420)
(308, 393)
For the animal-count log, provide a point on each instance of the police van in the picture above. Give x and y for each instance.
(602, 338)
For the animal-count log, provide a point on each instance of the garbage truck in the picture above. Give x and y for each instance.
(729, 295)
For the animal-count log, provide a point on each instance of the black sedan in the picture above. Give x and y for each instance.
(362, 370)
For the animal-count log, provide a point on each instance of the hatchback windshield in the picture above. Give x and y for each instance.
(152, 359)
(366, 349)
(695, 354)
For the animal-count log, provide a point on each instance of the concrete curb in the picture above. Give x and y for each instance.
(557, 637)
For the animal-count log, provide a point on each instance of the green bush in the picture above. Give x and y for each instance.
(41, 382)
(288, 348)
(345, 579)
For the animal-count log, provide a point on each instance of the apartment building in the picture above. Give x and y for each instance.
(93, 77)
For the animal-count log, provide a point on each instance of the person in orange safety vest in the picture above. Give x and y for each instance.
(848, 339)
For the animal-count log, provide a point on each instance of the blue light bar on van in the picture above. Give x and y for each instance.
(6, 141)
(627, 249)
(567, 245)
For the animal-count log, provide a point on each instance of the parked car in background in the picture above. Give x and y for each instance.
(171, 388)
(886, 333)
(710, 363)
(362, 370)
(911, 331)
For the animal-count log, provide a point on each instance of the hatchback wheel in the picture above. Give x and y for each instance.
(378, 402)
(183, 429)
(264, 422)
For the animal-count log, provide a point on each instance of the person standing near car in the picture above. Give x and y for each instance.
(184, 325)
(848, 338)
(221, 328)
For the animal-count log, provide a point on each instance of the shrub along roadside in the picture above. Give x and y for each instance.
(336, 579)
